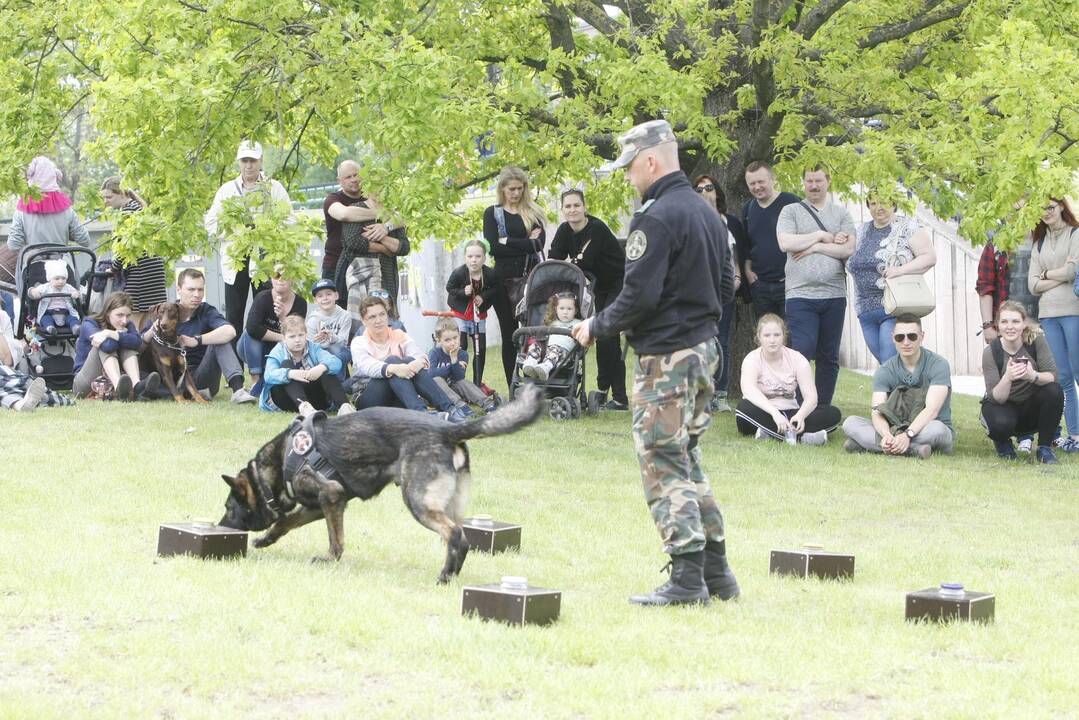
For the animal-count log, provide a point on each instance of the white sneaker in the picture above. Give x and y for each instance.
(305, 409)
(34, 395)
(242, 396)
(1025, 445)
(542, 371)
(346, 409)
(206, 395)
(815, 438)
(761, 435)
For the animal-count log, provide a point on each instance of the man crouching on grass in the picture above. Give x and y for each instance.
(912, 401)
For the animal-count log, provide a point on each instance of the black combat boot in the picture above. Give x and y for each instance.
(717, 573)
(686, 586)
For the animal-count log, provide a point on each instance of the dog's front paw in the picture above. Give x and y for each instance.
(264, 541)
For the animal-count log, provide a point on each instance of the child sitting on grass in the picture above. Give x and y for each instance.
(562, 313)
(300, 376)
(449, 361)
(329, 325)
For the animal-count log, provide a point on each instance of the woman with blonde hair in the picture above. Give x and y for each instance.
(1021, 389)
(515, 232)
(143, 280)
(773, 376)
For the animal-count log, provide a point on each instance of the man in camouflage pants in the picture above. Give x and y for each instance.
(678, 277)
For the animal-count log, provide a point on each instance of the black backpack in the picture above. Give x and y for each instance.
(998, 355)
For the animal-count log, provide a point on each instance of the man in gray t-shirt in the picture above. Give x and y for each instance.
(818, 237)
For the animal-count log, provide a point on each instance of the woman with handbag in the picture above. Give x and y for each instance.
(515, 233)
(589, 244)
(1053, 260)
(890, 246)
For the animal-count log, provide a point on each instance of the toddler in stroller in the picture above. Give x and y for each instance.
(540, 362)
(556, 298)
(60, 308)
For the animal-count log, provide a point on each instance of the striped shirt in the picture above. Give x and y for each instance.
(145, 280)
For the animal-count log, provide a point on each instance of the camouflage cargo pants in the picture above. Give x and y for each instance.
(670, 413)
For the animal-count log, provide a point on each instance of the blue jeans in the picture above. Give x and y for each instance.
(7, 304)
(878, 328)
(768, 298)
(342, 353)
(253, 352)
(816, 327)
(723, 375)
(404, 392)
(1062, 333)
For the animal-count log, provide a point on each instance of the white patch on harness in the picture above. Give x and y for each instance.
(302, 442)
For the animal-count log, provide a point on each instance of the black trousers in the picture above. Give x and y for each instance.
(749, 418)
(507, 323)
(1041, 412)
(236, 298)
(610, 368)
(324, 393)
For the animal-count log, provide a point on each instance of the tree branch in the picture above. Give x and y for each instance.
(896, 31)
(815, 19)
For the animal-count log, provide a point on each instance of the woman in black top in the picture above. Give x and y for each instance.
(590, 245)
(709, 189)
(144, 280)
(515, 245)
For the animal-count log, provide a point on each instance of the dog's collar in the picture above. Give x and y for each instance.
(268, 493)
(161, 341)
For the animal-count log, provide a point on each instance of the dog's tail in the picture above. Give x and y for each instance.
(522, 411)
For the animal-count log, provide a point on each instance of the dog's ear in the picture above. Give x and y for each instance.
(242, 486)
(230, 481)
(157, 311)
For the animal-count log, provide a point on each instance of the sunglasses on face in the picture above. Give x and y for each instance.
(380, 294)
(709, 187)
(912, 337)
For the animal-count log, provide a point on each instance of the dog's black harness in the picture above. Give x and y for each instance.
(302, 449)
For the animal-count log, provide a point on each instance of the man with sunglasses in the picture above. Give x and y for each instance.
(678, 278)
(912, 401)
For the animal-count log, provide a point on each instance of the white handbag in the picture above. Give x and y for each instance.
(908, 295)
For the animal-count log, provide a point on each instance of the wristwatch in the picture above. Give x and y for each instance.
(198, 341)
(911, 433)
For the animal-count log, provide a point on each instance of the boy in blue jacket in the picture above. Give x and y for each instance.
(300, 376)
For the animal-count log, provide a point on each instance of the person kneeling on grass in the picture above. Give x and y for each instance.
(1021, 389)
(300, 376)
(449, 361)
(19, 391)
(772, 376)
(912, 403)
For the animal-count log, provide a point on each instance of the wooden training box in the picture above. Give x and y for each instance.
(939, 605)
(812, 561)
(491, 536)
(516, 603)
(204, 540)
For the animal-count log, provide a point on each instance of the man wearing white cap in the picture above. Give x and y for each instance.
(678, 278)
(238, 279)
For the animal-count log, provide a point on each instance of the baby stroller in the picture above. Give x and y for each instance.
(51, 356)
(565, 387)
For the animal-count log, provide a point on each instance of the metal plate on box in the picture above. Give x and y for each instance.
(491, 536)
(517, 606)
(932, 605)
(201, 540)
(817, 563)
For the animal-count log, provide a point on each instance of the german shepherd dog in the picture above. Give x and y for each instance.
(369, 450)
(166, 356)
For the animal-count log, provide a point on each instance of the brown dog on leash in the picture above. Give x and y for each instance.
(164, 353)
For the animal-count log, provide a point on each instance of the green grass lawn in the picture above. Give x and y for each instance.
(94, 626)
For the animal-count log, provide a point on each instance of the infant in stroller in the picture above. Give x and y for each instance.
(541, 360)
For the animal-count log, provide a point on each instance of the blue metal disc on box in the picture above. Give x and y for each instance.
(951, 602)
(512, 601)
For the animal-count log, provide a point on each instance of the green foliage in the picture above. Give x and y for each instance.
(973, 100)
(265, 230)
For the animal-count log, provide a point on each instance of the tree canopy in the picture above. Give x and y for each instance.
(971, 104)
